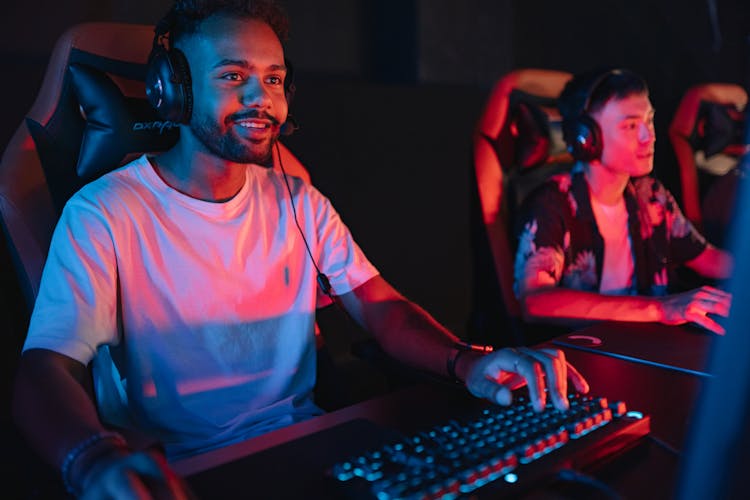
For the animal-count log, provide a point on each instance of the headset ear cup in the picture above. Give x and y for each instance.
(584, 139)
(169, 86)
(583, 135)
(182, 70)
(157, 78)
(594, 146)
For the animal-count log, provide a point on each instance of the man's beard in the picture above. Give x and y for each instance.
(229, 147)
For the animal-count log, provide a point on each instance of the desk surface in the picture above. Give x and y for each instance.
(664, 394)
(667, 395)
(681, 348)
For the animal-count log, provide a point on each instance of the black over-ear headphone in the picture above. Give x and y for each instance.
(582, 133)
(169, 85)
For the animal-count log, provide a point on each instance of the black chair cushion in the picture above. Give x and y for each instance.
(538, 138)
(94, 127)
(118, 128)
(717, 127)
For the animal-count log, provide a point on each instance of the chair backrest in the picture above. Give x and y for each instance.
(90, 116)
(707, 131)
(517, 144)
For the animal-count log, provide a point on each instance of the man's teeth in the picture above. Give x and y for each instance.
(252, 125)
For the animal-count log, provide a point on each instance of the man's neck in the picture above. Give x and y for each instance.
(199, 174)
(604, 184)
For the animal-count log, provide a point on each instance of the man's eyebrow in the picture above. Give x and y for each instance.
(244, 64)
(634, 116)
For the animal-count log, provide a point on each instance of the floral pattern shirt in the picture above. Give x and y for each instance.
(559, 242)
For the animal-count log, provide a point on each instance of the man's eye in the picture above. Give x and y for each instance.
(235, 77)
(275, 80)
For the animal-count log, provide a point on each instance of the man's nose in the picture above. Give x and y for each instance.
(254, 94)
(647, 133)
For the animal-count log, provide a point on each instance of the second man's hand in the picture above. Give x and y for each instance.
(694, 306)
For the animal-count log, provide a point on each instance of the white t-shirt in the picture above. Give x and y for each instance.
(211, 305)
(618, 266)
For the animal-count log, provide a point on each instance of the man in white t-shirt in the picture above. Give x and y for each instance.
(600, 242)
(198, 272)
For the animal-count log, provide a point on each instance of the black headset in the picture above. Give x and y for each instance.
(169, 85)
(582, 134)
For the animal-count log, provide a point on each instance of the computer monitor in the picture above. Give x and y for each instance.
(716, 459)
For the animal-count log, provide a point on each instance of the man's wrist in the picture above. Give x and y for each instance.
(82, 458)
(460, 358)
(656, 309)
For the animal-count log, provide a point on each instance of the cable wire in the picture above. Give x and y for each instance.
(323, 281)
(577, 477)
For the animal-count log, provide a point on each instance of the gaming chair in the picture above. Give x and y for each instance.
(706, 133)
(517, 145)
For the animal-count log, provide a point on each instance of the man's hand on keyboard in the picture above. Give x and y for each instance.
(494, 375)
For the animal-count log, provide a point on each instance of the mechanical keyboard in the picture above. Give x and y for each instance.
(492, 449)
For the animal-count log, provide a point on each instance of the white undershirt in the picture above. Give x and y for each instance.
(617, 270)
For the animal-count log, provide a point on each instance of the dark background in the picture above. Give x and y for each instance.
(388, 92)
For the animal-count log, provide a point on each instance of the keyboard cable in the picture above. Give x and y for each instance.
(574, 476)
(664, 445)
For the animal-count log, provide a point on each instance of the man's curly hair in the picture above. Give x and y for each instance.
(186, 16)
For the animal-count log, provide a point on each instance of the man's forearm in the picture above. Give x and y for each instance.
(411, 335)
(567, 304)
(713, 263)
(51, 404)
(403, 329)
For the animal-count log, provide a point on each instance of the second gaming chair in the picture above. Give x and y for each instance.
(517, 144)
(707, 137)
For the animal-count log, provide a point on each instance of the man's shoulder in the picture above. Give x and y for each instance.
(300, 187)
(284, 177)
(113, 184)
(554, 187)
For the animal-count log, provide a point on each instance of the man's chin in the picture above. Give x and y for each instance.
(257, 154)
(264, 156)
(261, 153)
(644, 167)
(231, 147)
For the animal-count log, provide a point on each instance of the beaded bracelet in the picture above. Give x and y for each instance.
(87, 444)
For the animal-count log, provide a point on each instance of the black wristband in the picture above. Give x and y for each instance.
(452, 361)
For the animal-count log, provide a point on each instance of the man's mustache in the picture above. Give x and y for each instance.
(252, 113)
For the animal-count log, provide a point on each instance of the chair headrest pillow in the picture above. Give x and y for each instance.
(718, 127)
(118, 128)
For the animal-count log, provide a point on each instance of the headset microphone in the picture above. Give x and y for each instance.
(288, 127)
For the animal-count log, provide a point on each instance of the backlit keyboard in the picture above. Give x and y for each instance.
(493, 447)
